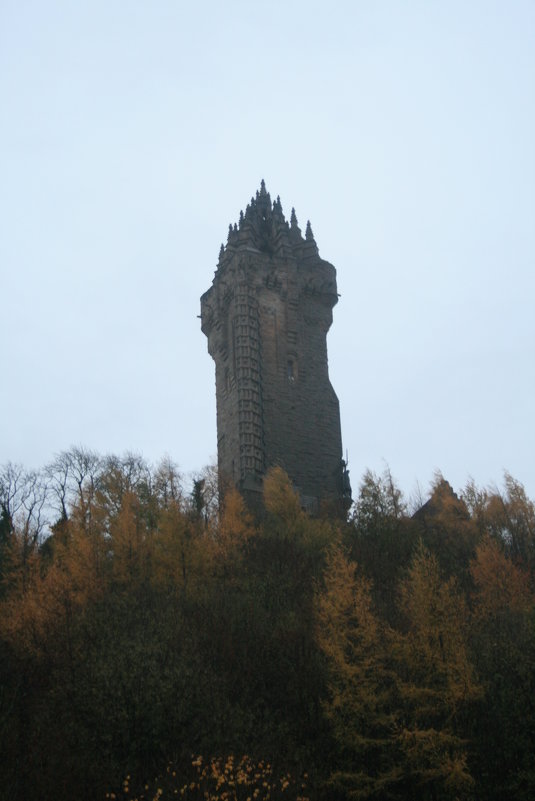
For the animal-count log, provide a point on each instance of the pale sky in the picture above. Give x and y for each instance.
(131, 135)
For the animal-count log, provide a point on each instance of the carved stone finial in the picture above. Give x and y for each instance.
(308, 234)
(295, 231)
(262, 187)
(221, 253)
(241, 218)
(232, 234)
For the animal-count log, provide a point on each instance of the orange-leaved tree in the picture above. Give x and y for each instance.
(436, 684)
(503, 643)
(361, 686)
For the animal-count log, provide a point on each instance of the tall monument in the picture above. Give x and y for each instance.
(266, 317)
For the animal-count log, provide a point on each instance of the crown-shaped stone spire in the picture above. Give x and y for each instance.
(263, 227)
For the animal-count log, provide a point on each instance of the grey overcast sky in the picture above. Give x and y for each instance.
(133, 132)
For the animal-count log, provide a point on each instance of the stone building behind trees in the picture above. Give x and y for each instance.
(266, 317)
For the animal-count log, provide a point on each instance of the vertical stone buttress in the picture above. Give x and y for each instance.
(266, 317)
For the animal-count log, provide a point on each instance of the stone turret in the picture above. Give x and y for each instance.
(266, 317)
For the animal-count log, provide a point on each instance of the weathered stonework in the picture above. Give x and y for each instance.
(266, 317)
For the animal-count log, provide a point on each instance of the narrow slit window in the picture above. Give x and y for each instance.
(291, 370)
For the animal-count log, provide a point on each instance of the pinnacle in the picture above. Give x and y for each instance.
(263, 226)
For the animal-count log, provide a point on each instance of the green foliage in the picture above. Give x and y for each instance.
(382, 539)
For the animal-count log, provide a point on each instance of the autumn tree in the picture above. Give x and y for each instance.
(259, 623)
(437, 684)
(445, 526)
(73, 477)
(509, 517)
(361, 688)
(23, 497)
(134, 629)
(503, 644)
(398, 699)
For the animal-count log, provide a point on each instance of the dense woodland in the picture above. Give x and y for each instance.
(154, 647)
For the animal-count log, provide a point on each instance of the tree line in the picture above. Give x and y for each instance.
(389, 656)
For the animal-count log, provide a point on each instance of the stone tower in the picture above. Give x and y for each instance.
(266, 317)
